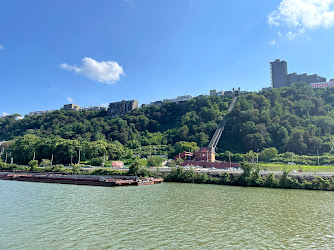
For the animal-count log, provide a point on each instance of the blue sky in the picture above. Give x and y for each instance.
(96, 52)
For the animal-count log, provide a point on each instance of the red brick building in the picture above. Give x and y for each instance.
(205, 154)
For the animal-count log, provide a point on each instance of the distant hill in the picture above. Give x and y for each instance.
(297, 119)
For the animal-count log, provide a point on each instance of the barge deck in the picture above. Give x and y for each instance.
(91, 180)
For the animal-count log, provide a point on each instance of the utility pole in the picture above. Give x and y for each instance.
(79, 156)
(318, 157)
(34, 156)
(51, 159)
(207, 156)
(6, 159)
(229, 156)
(71, 160)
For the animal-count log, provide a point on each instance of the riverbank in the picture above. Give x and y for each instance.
(251, 177)
(90, 180)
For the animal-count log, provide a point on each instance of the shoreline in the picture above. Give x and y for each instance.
(251, 177)
(90, 180)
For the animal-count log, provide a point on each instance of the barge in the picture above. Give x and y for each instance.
(91, 180)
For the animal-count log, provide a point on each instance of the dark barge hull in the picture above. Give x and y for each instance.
(105, 182)
(73, 182)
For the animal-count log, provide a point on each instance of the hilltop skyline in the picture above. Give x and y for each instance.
(52, 53)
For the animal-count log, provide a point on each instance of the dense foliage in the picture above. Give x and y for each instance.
(293, 119)
(63, 151)
(251, 178)
(194, 120)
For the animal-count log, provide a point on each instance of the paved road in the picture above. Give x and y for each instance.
(262, 172)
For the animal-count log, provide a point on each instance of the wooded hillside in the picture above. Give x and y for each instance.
(296, 119)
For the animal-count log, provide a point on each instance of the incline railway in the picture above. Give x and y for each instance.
(205, 156)
(219, 131)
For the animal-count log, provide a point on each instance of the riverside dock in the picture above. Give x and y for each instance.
(91, 180)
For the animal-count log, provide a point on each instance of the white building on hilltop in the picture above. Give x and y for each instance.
(40, 112)
(179, 99)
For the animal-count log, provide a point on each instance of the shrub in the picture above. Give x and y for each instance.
(76, 169)
(45, 163)
(106, 171)
(271, 181)
(33, 164)
(95, 162)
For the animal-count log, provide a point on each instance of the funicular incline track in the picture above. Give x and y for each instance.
(218, 133)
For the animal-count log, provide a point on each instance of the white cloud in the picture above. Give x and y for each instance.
(291, 35)
(5, 114)
(273, 42)
(70, 99)
(302, 15)
(106, 72)
(1, 47)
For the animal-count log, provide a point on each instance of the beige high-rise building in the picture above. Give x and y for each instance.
(71, 107)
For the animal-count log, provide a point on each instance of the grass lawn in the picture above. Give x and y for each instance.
(305, 168)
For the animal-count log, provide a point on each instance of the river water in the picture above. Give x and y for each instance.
(166, 216)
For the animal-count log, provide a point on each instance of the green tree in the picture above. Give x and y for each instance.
(282, 136)
(202, 139)
(181, 146)
(76, 169)
(268, 154)
(95, 162)
(135, 168)
(33, 164)
(155, 161)
(179, 161)
(254, 141)
(249, 127)
(183, 132)
(296, 143)
(23, 149)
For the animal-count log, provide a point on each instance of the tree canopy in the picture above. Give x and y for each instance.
(298, 119)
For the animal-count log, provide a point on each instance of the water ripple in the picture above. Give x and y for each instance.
(167, 216)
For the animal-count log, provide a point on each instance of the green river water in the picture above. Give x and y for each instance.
(166, 216)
